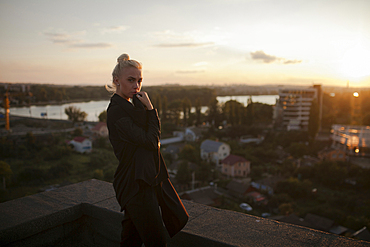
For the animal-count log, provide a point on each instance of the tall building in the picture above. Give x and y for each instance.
(292, 111)
(354, 139)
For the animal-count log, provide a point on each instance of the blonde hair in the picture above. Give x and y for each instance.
(122, 62)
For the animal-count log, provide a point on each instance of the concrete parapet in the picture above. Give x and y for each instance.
(87, 214)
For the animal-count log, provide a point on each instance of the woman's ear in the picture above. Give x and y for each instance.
(115, 81)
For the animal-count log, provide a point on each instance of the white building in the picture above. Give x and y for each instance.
(353, 139)
(81, 144)
(214, 151)
(292, 112)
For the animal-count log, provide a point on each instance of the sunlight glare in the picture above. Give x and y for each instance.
(356, 62)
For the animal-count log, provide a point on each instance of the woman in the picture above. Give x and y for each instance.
(141, 181)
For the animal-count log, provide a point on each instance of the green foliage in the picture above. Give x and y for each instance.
(75, 114)
(77, 132)
(183, 175)
(190, 153)
(103, 116)
(33, 176)
(330, 173)
(5, 173)
(286, 208)
(294, 188)
(98, 174)
(233, 112)
(297, 150)
(204, 172)
(62, 169)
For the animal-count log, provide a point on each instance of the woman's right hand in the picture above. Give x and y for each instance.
(144, 98)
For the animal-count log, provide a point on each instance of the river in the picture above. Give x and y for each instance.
(94, 108)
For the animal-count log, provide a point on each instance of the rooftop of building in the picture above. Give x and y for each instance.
(87, 214)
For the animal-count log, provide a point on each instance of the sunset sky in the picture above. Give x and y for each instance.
(198, 42)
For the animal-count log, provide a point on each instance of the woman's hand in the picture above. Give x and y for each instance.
(144, 98)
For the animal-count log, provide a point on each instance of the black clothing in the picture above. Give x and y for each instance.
(134, 134)
(136, 228)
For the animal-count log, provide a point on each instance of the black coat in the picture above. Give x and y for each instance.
(134, 134)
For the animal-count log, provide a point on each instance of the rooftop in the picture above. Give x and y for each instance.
(87, 214)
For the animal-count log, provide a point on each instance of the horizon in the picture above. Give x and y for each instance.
(212, 43)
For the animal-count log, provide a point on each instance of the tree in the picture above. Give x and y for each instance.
(190, 153)
(249, 116)
(186, 108)
(314, 121)
(164, 109)
(174, 110)
(183, 175)
(5, 172)
(233, 111)
(286, 208)
(198, 112)
(214, 113)
(75, 114)
(103, 116)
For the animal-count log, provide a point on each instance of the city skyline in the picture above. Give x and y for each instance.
(219, 42)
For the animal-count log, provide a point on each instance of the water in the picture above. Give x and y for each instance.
(94, 108)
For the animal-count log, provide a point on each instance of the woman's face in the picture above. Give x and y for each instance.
(129, 82)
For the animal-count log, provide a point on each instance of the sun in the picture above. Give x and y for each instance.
(356, 62)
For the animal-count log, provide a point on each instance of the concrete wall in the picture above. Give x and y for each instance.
(87, 214)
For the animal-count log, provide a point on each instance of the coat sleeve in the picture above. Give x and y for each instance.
(128, 131)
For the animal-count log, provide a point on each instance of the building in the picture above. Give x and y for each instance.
(100, 129)
(235, 166)
(353, 139)
(238, 189)
(332, 154)
(214, 151)
(81, 144)
(193, 134)
(292, 111)
(206, 196)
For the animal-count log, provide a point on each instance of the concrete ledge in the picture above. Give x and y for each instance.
(87, 214)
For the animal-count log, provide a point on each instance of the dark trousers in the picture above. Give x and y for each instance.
(143, 221)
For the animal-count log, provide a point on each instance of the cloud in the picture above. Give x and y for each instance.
(200, 64)
(189, 45)
(115, 29)
(90, 45)
(67, 40)
(58, 37)
(261, 55)
(292, 61)
(189, 71)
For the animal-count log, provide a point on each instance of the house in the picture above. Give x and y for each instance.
(318, 222)
(193, 134)
(235, 166)
(100, 129)
(172, 150)
(81, 144)
(178, 137)
(214, 151)
(238, 189)
(267, 184)
(251, 139)
(174, 166)
(362, 234)
(332, 154)
(206, 196)
(257, 198)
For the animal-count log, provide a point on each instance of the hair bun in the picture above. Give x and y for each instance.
(122, 58)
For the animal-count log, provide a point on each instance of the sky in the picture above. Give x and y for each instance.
(192, 42)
